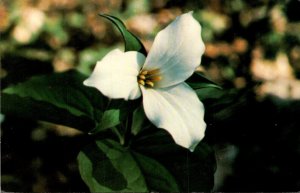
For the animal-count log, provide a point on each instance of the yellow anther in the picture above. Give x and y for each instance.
(148, 78)
(155, 78)
(149, 83)
(141, 82)
(141, 76)
(152, 72)
(144, 72)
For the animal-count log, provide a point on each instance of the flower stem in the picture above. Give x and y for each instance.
(121, 138)
(127, 134)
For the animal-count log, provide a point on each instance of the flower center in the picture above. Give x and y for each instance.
(149, 78)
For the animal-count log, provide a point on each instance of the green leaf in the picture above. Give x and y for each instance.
(138, 119)
(157, 177)
(59, 91)
(109, 119)
(105, 166)
(193, 171)
(29, 108)
(132, 43)
(199, 81)
(209, 94)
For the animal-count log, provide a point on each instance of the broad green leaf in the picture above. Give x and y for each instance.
(63, 91)
(156, 176)
(138, 119)
(193, 171)
(209, 93)
(29, 108)
(105, 166)
(132, 43)
(109, 119)
(198, 81)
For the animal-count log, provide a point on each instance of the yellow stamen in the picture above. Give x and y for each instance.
(155, 78)
(156, 71)
(142, 77)
(148, 78)
(141, 82)
(149, 83)
(144, 72)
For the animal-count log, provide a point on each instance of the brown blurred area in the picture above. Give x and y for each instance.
(250, 45)
(245, 42)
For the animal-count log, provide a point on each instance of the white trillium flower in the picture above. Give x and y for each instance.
(169, 102)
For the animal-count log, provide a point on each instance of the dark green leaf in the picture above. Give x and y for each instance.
(138, 119)
(193, 171)
(198, 81)
(109, 119)
(209, 93)
(132, 43)
(105, 166)
(156, 176)
(27, 107)
(62, 91)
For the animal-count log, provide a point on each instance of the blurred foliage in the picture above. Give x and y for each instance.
(252, 51)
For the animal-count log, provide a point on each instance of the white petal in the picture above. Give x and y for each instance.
(176, 51)
(116, 75)
(178, 110)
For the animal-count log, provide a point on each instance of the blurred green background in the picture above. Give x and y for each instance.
(252, 51)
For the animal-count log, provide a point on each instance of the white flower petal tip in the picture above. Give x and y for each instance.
(176, 50)
(179, 111)
(115, 76)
